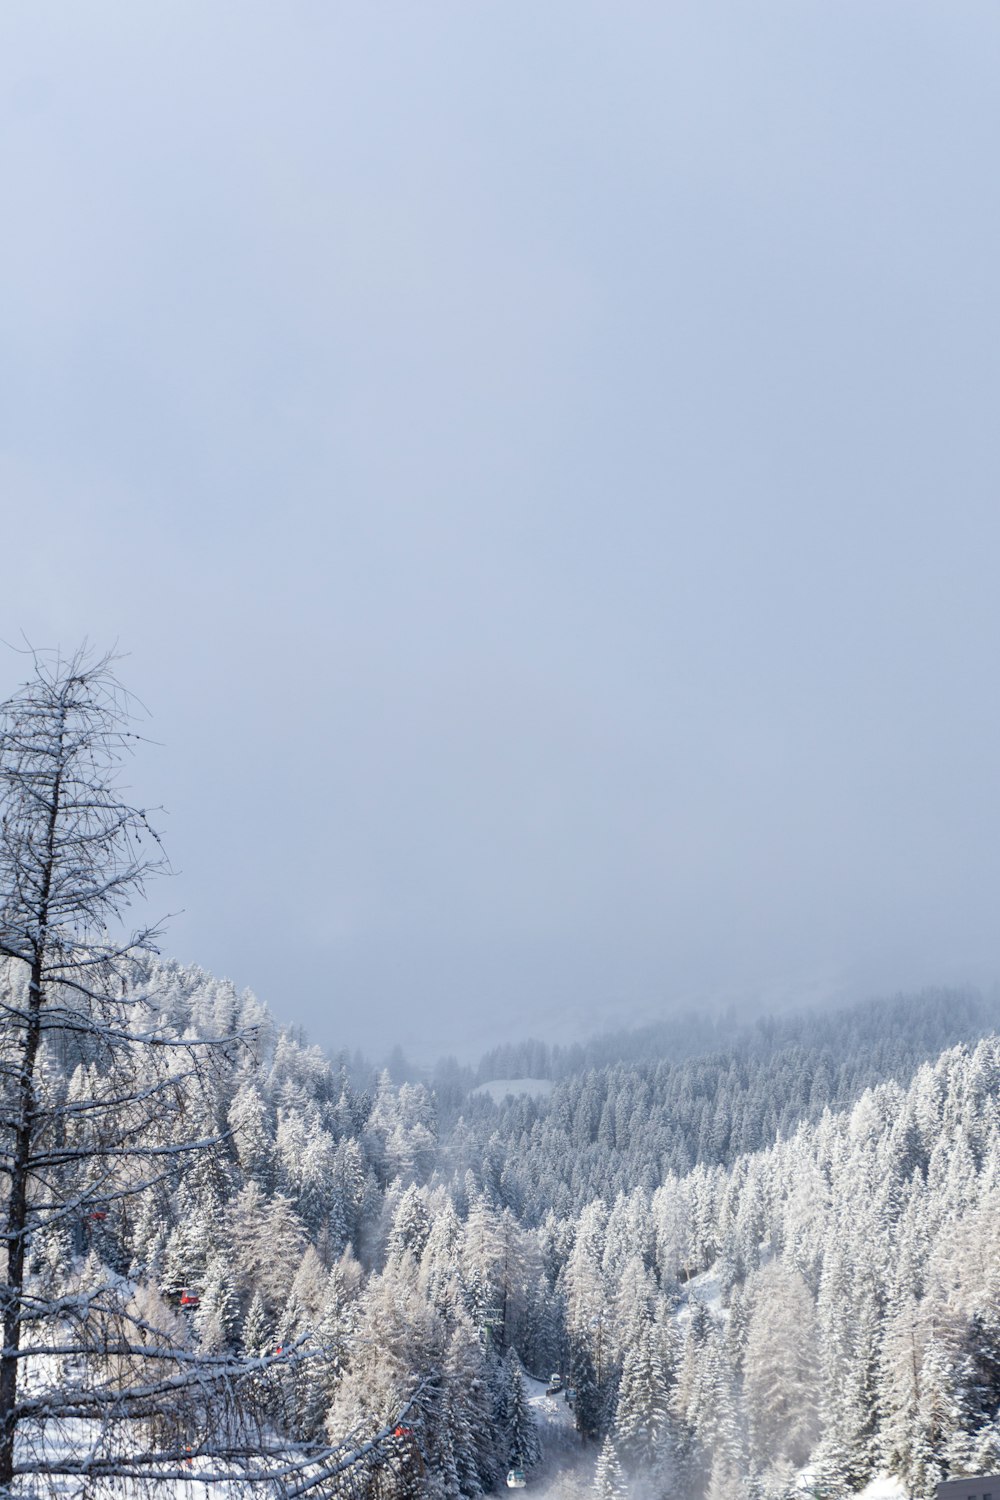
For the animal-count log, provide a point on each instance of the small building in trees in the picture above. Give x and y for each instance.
(975, 1487)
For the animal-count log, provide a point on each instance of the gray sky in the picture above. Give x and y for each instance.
(542, 460)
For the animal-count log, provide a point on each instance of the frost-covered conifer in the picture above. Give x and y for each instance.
(587, 1402)
(521, 1434)
(780, 1367)
(217, 1319)
(609, 1477)
(248, 1120)
(642, 1419)
(257, 1334)
(411, 1223)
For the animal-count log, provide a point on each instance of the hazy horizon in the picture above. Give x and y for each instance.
(541, 463)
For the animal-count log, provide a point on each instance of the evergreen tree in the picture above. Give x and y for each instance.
(781, 1374)
(468, 1429)
(642, 1420)
(217, 1318)
(609, 1477)
(521, 1431)
(257, 1335)
(587, 1402)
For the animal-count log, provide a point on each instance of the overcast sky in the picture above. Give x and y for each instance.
(542, 460)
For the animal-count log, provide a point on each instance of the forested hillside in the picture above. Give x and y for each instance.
(611, 1128)
(828, 1296)
(754, 1266)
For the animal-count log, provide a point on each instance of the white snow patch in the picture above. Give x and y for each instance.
(882, 1487)
(508, 1088)
(706, 1289)
(549, 1411)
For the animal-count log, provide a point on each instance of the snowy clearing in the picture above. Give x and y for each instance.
(552, 1413)
(508, 1088)
(883, 1488)
(705, 1289)
(562, 1456)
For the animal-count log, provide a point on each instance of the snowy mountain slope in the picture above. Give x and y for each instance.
(829, 1299)
(611, 1129)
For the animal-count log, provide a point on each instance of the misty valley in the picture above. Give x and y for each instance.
(715, 1258)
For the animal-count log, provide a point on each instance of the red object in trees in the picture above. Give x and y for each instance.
(99, 1214)
(190, 1299)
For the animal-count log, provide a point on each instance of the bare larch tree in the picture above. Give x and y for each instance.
(73, 855)
(100, 1378)
(105, 1363)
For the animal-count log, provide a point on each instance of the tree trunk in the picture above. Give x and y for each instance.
(17, 1216)
(17, 1211)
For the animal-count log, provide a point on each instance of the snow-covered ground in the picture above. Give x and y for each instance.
(566, 1471)
(880, 1488)
(705, 1289)
(883, 1488)
(502, 1088)
(551, 1413)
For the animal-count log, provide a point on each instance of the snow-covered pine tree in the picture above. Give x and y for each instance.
(217, 1318)
(609, 1476)
(781, 1374)
(469, 1428)
(521, 1432)
(587, 1402)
